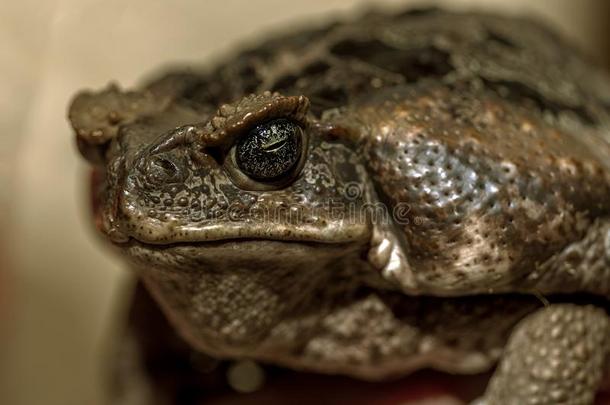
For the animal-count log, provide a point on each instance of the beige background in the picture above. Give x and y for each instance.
(63, 288)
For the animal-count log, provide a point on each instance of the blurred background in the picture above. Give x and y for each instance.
(61, 289)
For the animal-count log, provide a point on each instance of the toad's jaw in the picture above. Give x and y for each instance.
(158, 233)
(238, 253)
(122, 222)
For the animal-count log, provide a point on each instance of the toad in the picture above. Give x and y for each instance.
(370, 198)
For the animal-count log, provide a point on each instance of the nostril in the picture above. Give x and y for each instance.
(160, 170)
(169, 167)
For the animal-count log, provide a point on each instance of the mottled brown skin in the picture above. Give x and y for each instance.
(478, 149)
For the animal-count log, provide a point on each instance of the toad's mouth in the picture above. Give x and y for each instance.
(235, 231)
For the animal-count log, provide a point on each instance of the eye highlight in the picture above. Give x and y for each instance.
(270, 150)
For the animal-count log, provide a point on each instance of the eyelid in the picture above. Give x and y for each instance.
(233, 121)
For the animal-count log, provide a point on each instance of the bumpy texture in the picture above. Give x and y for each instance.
(567, 346)
(453, 176)
(480, 223)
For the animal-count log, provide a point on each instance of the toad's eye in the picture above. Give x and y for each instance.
(270, 150)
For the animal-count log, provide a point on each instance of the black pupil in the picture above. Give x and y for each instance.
(269, 150)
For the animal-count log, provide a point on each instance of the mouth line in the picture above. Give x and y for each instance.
(232, 240)
(164, 234)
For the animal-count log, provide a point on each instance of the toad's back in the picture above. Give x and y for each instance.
(337, 64)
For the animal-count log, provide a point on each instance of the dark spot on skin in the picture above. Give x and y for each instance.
(522, 94)
(412, 64)
(227, 83)
(316, 68)
(501, 40)
(249, 79)
(417, 12)
(285, 82)
(328, 97)
(207, 91)
(299, 38)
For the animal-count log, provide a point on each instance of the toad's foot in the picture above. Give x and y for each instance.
(554, 356)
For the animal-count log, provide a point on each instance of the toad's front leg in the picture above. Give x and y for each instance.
(555, 356)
